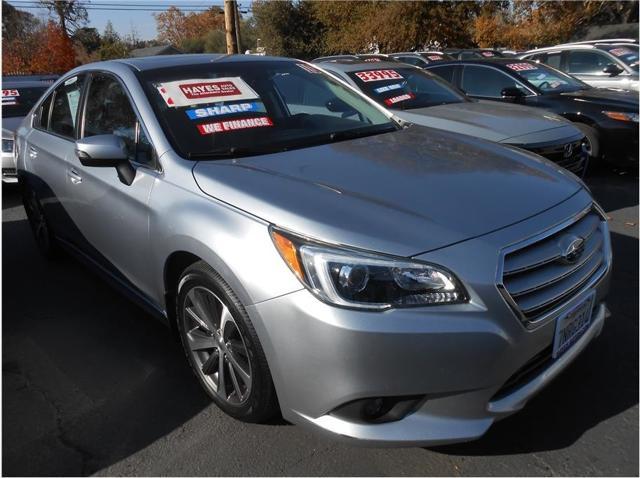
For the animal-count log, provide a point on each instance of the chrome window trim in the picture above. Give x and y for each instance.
(592, 282)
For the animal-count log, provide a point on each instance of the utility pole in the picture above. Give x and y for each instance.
(230, 26)
(237, 23)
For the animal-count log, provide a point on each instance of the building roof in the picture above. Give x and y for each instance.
(155, 50)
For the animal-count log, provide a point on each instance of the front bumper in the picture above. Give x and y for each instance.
(456, 358)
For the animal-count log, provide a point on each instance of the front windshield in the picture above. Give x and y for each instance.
(627, 54)
(405, 88)
(249, 107)
(546, 79)
(17, 102)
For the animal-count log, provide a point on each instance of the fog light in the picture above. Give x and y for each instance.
(379, 409)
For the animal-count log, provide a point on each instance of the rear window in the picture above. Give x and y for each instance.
(213, 110)
(405, 88)
(18, 101)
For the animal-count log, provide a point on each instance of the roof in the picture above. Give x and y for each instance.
(499, 61)
(155, 50)
(7, 84)
(334, 57)
(166, 61)
(361, 65)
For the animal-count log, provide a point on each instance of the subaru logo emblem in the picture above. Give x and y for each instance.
(568, 150)
(571, 248)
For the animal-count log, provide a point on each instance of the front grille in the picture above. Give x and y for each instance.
(575, 162)
(543, 274)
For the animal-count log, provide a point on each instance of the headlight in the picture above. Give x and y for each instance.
(7, 146)
(363, 280)
(620, 116)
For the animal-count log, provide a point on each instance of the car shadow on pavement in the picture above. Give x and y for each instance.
(88, 377)
(601, 383)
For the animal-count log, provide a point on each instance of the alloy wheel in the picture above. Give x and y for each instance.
(216, 345)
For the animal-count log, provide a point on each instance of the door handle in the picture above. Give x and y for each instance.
(74, 176)
(33, 152)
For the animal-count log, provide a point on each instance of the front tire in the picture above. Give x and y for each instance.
(593, 142)
(222, 346)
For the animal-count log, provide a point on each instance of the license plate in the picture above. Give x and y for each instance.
(572, 325)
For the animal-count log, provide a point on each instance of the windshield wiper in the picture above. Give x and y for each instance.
(231, 152)
(359, 133)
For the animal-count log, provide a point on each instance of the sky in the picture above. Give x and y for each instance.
(126, 15)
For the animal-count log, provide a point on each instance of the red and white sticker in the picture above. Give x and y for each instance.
(207, 90)
(233, 125)
(488, 54)
(11, 93)
(308, 68)
(620, 51)
(434, 57)
(378, 75)
(521, 66)
(397, 99)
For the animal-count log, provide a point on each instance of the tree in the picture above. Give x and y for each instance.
(112, 46)
(289, 28)
(176, 27)
(71, 14)
(55, 53)
(89, 38)
(17, 23)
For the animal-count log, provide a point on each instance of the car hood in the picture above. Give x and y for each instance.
(485, 119)
(10, 125)
(400, 193)
(605, 97)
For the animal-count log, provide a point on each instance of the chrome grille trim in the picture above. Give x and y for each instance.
(538, 291)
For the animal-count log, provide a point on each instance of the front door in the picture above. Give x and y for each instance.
(112, 216)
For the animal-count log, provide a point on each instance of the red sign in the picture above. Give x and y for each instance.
(11, 93)
(378, 75)
(212, 89)
(521, 66)
(232, 125)
(397, 99)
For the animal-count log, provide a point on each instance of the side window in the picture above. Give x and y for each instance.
(587, 62)
(469, 55)
(109, 111)
(42, 118)
(64, 112)
(444, 72)
(554, 60)
(482, 81)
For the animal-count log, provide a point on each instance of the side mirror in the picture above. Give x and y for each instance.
(106, 151)
(512, 93)
(612, 70)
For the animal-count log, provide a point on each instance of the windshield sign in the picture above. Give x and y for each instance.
(405, 88)
(546, 79)
(214, 111)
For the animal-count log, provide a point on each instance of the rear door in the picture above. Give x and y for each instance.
(114, 217)
(49, 146)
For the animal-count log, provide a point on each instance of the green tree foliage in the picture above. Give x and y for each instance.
(17, 24)
(112, 45)
(89, 38)
(289, 28)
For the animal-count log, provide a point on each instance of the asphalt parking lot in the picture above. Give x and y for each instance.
(93, 385)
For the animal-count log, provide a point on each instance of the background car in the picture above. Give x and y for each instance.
(370, 57)
(472, 53)
(18, 97)
(603, 65)
(423, 98)
(608, 118)
(421, 58)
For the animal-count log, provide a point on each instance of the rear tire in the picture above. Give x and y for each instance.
(45, 240)
(222, 346)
